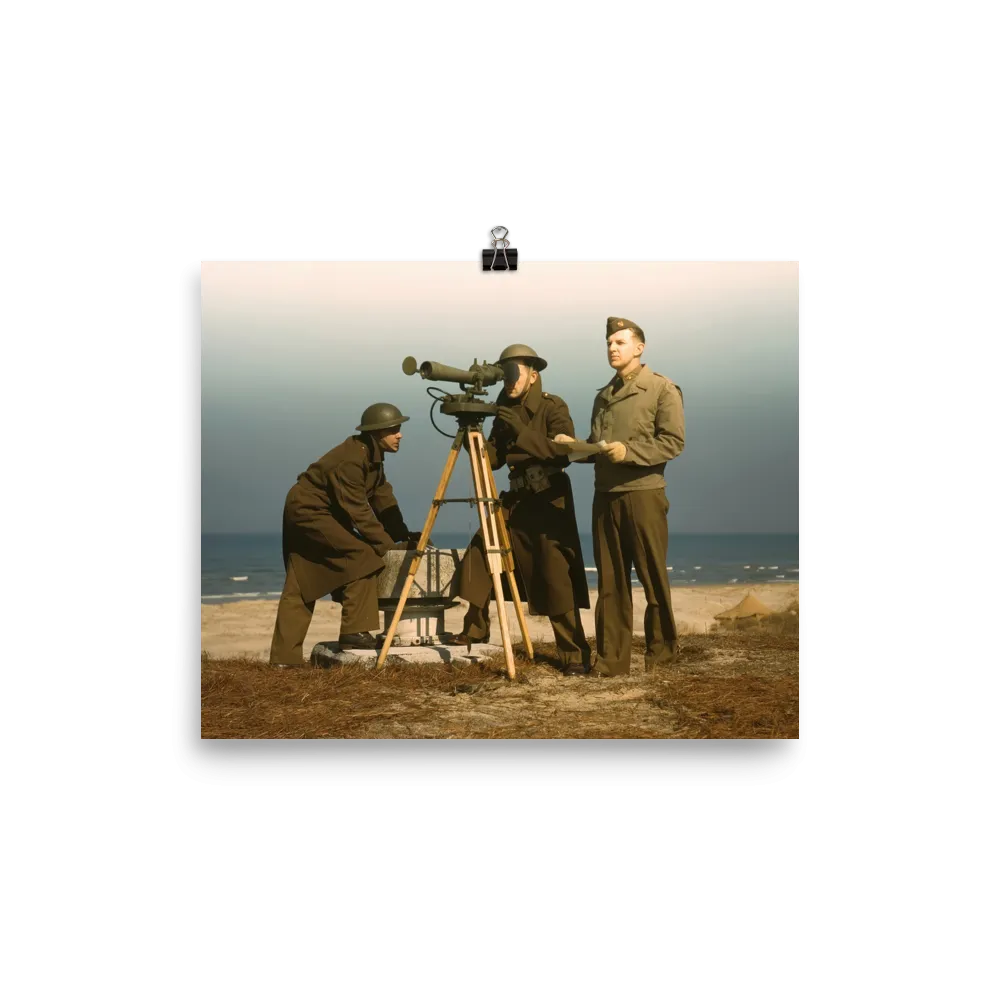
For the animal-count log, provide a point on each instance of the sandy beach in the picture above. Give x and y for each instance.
(243, 628)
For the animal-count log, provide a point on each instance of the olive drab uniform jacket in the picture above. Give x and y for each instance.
(646, 414)
(340, 518)
(544, 535)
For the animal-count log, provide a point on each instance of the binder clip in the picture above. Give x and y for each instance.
(492, 259)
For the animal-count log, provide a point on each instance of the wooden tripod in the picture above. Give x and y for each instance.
(496, 539)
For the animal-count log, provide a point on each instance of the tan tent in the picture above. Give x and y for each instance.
(749, 607)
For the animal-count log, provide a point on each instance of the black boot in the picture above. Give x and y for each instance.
(358, 640)
(461, 639)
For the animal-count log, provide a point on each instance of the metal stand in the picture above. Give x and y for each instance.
(499, 555)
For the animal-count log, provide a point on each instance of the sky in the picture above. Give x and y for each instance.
(292, 353)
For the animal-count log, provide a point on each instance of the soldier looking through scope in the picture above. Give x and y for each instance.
(539, 512)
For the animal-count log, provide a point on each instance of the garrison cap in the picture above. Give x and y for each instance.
(616, 323)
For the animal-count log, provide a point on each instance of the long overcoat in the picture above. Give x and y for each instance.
(544, 535)
(340, 518)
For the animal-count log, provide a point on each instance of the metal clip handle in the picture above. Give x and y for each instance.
(499, 234)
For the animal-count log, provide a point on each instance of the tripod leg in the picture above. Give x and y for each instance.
(508, 561)
(508, 649)
(491, 538)
(442, 487)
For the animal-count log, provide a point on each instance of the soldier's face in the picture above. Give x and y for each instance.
(389, 439)
(526, 376)
(623, 348)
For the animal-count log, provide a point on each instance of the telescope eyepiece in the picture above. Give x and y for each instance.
(511, 371)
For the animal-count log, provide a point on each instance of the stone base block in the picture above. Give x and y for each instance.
(329, 654)
(421, 623)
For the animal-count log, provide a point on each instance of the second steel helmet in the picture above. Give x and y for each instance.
(521, 352)
(380, 417)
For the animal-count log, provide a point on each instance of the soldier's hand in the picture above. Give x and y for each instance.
(615, 451)
(563, 439)
(515, 418)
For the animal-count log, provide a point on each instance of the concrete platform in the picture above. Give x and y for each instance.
(329, 654)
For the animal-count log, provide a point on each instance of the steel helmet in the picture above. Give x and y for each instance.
(521, 352)
(380, 417)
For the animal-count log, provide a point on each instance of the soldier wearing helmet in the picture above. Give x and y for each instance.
(340, 518)
(538, 508)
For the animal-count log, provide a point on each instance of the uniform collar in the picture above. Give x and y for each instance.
(632, 384)
(531, 400)
(371, 446)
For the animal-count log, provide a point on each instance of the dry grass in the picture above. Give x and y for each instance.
(780, 623)
(739, 684)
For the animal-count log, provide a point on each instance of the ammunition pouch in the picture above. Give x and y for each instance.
(534, 478)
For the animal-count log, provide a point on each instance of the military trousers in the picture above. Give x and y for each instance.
(475, 584)
(568, 629)
(630, 529)
(359, 600)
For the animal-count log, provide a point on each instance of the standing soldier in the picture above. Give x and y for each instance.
(539, 512)
(340, 519)
(640, 416)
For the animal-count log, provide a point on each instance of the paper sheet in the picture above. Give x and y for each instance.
(577, 449)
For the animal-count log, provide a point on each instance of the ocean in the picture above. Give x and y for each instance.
(248, 567)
